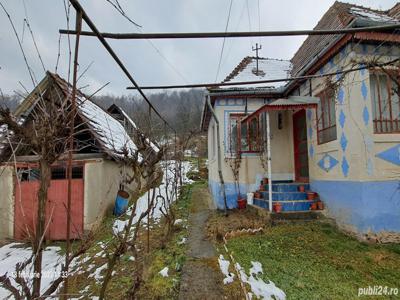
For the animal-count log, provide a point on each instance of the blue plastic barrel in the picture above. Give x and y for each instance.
(121, 203)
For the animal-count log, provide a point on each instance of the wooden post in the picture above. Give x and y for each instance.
(78, 25)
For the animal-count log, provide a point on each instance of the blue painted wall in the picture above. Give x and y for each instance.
(231, 193)
(368, 206)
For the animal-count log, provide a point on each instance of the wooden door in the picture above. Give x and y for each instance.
(300, 146)
(26, 204)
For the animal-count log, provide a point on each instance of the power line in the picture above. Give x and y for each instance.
(210, 85)
(202, 35)
(79, 8)
(223, 43)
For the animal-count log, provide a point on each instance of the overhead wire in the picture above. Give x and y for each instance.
(223, 43)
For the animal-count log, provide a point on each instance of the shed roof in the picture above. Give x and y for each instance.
(109, 134)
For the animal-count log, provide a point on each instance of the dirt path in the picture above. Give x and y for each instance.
(201, 277)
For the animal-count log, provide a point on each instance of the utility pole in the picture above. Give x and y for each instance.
(256, 49)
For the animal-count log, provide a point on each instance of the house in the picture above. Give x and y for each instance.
(99, 168)
(337, 135)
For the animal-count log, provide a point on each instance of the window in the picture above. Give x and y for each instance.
(385, 102)
(28, 174)
(242, 137)
(326, 122)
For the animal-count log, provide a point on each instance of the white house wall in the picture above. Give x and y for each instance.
(6, 202)
(251, 171)
(361, 190)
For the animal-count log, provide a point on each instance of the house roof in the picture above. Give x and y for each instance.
(268, 69)
(340, 15)
(109, 134)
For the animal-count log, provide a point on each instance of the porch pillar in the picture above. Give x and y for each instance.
(269, 161)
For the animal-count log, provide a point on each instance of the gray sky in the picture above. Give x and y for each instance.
(193, 61)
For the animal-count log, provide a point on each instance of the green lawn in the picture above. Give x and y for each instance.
(314, 260)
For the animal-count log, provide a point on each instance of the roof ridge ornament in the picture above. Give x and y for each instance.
(256, 48)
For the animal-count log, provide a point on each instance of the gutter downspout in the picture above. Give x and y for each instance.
(269, 162)
(221, 178)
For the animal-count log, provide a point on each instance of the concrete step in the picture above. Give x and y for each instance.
(287, 206)
(285, 196)
(296, 215)
(286, 187)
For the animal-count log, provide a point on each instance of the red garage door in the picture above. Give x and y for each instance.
(26, 202)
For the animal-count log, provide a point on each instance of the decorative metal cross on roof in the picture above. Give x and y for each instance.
(256, 49)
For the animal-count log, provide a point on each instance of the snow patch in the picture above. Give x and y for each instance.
(224, 266)
(164, 272)
(259, 287)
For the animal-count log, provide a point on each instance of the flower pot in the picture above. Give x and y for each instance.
(301, 188)
(320, 205)
(311, 195)
(277, 207)
(257, 195)
(265, 181)
(242, 203)
(261, 188)
(313, 206)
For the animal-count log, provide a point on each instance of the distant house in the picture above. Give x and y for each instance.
(337, 135)
(98, 171)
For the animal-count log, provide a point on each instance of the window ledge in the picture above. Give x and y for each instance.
(386, 137)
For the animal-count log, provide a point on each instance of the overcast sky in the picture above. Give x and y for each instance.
(169, 61)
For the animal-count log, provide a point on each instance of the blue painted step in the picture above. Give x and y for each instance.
(286, 196)
(286, 205)
(286, 187)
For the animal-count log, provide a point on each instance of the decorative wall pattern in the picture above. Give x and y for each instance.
(327, 162)
(391, 155)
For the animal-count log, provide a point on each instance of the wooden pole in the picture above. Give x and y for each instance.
(78, 25)
(269, 161)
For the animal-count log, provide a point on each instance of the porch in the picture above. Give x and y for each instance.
(288, 193)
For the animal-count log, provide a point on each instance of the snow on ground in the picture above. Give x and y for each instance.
(259, 287)
(119, 225)
(164, 272)
(14, 253)
(224, 266)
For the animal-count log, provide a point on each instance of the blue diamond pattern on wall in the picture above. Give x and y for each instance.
(345, 166)
(362, 71)
(341, 96)
(343, 142)
(342, 118)
(311, 150)
(364, 90)
(309, 114)
(327, 162)
(365, 116)
(310, 132)
(391, 155)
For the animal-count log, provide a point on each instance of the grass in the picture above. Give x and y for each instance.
(154, 286)
(314, 260)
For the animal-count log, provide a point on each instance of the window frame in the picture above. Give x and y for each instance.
(326, 96)
(251, 148)
(392, 125)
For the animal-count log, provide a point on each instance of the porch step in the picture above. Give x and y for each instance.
(287, 205)
(284, 196)
(296, 216)
(286, 187)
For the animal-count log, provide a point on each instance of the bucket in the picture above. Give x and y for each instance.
(250, 198)
(121, 202)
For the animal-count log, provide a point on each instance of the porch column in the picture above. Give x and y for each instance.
(269, 162)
